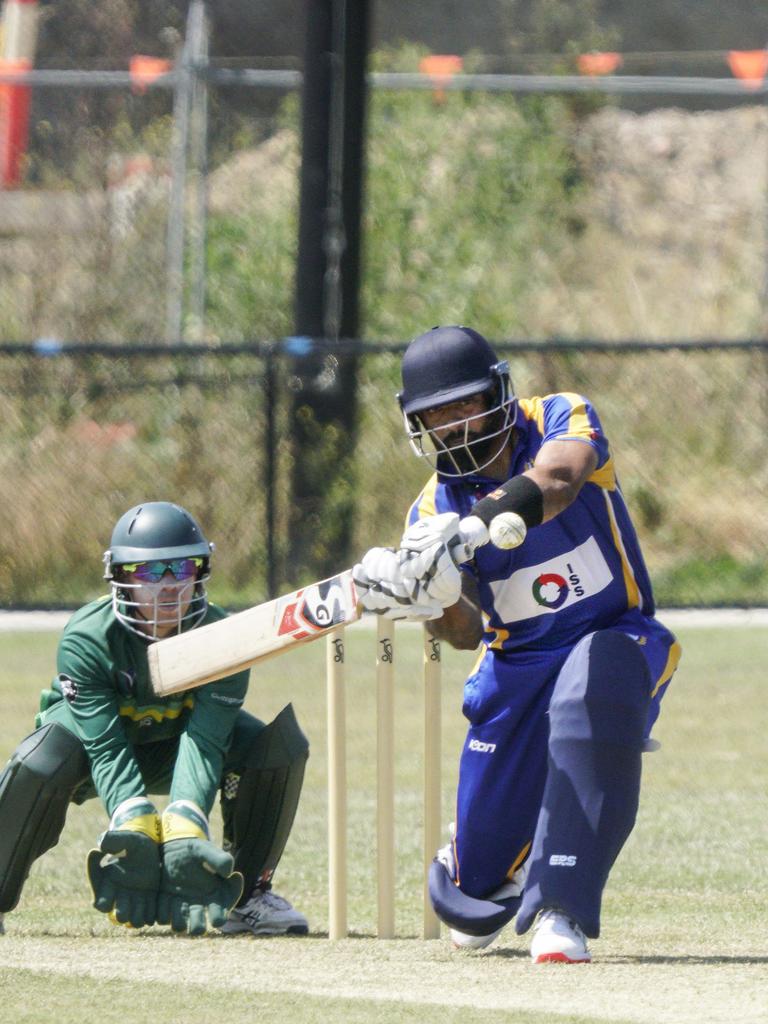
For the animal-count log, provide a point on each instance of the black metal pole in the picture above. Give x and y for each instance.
(324, 407)
(315, 165)
(355, 46)
(270, 473)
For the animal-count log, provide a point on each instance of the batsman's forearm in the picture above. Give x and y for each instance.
(461, 630)
(461, 625)
(560, 471)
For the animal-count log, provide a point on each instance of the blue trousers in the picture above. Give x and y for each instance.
(504, 763)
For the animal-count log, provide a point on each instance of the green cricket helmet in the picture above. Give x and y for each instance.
(162, 548)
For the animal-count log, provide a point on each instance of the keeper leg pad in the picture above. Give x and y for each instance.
(36, 787)
(260, 797)
(466, 913)
(597, 718)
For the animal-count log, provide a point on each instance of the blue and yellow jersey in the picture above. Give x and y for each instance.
(108, 702)
(578, 572)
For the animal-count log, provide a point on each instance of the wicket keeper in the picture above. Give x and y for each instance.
(574, 664)
(102, 733)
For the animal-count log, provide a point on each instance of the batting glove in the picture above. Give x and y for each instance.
(381, 588)
(124, 871)
(431, 551)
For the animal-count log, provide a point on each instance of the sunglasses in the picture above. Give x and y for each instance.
(152, 572)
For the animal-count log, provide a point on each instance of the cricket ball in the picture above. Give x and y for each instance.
(507, 530)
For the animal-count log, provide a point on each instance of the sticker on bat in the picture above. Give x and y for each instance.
(321, 606)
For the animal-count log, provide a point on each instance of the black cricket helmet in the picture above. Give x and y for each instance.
(446, 365)
(162, 541)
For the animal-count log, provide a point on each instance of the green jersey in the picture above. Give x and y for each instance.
(109, 704)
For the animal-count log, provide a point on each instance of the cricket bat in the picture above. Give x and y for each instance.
(239, 641)
(222, 648)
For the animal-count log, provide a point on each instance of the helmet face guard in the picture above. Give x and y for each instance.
(158, 564)
(156, 610)
(462, 450)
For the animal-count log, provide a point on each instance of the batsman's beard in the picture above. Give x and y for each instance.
(461, 454)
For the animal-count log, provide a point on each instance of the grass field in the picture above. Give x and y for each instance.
(685, 924)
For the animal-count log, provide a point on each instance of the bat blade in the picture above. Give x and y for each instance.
(222, 648)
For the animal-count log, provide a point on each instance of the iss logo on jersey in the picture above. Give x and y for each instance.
(549, 586)
(550, 590)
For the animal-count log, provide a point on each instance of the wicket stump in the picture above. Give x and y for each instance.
(385, 779)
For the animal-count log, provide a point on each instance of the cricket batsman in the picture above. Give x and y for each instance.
(102, 733)
(562, 699)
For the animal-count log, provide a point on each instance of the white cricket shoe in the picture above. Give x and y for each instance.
(461, 940)
(265, 913)
(558, 939)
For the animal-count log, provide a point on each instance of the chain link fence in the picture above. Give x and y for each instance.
(146, 217)
(85, 434)
(165, 210)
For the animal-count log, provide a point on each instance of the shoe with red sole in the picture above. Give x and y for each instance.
(558, 939)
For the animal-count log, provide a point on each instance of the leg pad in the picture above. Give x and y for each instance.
(465, 913)
(36, 787)
(259, 802)
(597, 715)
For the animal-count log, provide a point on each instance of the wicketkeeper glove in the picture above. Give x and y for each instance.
(124, 871)
(431, 550)
(198, 881)
(382, 589)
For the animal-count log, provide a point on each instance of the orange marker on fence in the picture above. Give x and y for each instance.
(441, 67)
(600, 63)
(751, 66)
(145, 70)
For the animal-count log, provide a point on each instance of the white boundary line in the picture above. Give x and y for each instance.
(675, 618)
(704, 618)
(33, 622)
